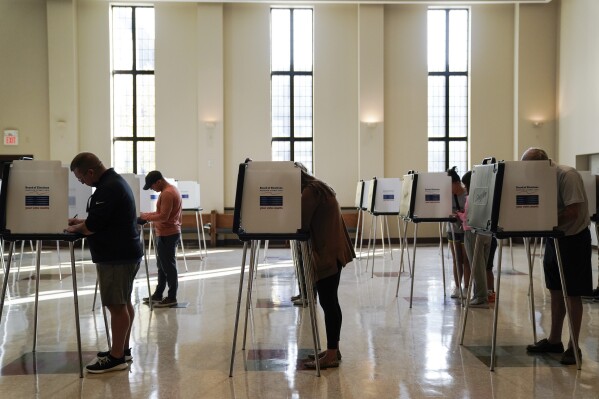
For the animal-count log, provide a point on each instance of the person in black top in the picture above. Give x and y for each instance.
(113, 236)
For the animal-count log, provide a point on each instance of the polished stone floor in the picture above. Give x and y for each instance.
(389, 349)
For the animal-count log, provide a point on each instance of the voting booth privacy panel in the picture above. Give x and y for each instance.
(79, 194)
(384, 196)
(513, 196)
(190, 194)
(425, 196)
(268, 198)
(591, 187)
(34, 197)
(364, 204)
(143, 198)
(359, 194)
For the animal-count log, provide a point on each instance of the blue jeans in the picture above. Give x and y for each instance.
(166, 247)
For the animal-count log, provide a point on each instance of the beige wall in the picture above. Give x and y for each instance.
(24, 76)
(578, 102)
(212, 65)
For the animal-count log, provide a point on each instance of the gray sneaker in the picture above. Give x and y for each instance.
(479, 303)
(166, 303)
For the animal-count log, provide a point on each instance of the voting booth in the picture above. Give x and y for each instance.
(513, 196)
(143, 198)
(34, 204)
(384, 196)
(268, 199)
(383, 199)
(190, 194)
(425, 195)
(268, 206)
(36, 194)
(516, 199)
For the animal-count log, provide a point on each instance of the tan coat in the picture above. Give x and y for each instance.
(331, 245)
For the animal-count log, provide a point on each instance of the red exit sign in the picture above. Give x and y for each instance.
(11, 137)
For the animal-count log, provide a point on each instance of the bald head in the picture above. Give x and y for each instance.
(534, 154)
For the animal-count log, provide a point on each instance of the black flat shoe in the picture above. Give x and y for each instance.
(544, 346)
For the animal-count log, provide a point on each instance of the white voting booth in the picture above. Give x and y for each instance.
(190, 195)
(143, 198)
(425, 197)
(384, 196)
(37, 198)
(271, 199)
(513, 196)
(34, 206)
(515, 199)
(268, 206)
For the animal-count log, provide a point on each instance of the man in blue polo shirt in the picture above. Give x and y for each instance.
(113, 237)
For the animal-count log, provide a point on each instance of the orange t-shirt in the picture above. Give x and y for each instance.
(167, 218)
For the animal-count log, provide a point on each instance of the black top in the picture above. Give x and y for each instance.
(113, 220)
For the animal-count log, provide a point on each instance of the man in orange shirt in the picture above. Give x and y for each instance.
(167, 224)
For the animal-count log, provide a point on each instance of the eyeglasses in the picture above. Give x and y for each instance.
(81, 178)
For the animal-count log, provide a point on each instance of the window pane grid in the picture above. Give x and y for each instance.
(281, 151)
(144, 35)
(145, 106)
(291, 85)
(448, 109)
(122, 102)
(302, 104)
(280, 106)
(122, 38)
(133, 127)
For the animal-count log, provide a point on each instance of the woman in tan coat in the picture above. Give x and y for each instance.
(331, 251)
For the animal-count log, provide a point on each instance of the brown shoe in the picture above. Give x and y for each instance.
(323, 353)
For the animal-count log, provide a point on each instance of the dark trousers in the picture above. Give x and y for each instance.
(329, 301)
(166, 247)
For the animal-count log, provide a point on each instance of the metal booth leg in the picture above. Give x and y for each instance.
(76, 304)
(413, 264)
(251, 275)
(308, 272)
(11, 249)
(235, 328)
(38, 251)
(467, 307)
(442, 258)
(531, 261)
(496, 311)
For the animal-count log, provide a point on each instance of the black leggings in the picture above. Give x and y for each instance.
(329, 301)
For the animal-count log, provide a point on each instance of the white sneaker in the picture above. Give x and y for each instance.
(479, 303)
(456, 293)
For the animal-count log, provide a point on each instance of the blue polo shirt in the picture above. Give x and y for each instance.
(113, 219)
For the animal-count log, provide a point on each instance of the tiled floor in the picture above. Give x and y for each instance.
(389, 350)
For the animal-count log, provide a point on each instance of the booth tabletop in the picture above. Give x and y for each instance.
(71, 237)
(451, 219)
(529, 234)
(274, 236)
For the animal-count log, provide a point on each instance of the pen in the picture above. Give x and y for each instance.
(75, 216)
